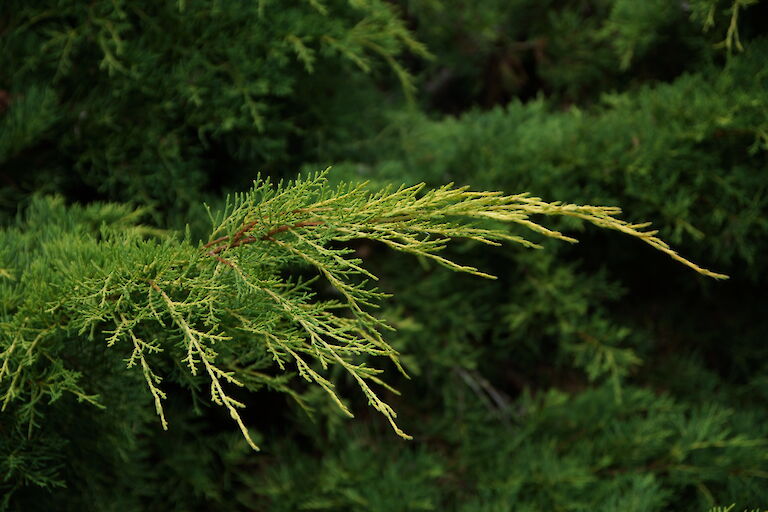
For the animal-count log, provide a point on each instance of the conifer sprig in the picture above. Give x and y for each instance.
(220, 308)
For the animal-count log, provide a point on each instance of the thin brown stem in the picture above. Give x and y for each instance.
(238, 240)
(288, 227)
(242, 231)
(214, 242)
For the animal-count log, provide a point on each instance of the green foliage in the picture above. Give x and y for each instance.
(579, 452)
(687, 154)
(220, 314)
(730, 508)
(684, 153)
(572, 51)
(592, 376)
(149, 102)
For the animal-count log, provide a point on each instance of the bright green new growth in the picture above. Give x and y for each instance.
(226, 310)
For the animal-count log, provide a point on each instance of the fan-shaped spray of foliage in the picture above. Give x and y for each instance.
(223, 309)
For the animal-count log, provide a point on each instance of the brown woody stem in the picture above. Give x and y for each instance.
(237, 239)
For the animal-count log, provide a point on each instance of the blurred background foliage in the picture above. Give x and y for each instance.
(591, 377)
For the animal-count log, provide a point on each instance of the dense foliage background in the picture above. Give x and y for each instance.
(597, 376)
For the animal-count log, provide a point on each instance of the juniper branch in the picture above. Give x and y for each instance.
(222, 305)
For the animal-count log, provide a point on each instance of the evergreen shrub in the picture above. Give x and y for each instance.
(148, 344)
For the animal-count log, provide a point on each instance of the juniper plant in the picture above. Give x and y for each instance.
(223, 309)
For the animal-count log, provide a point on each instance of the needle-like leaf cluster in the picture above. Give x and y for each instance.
(221, 309)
